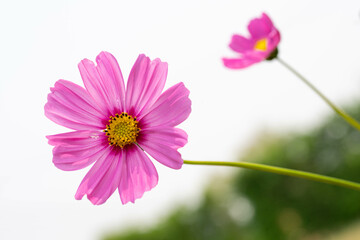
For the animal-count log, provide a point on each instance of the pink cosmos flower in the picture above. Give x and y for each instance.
(261, 45)
(114, 126)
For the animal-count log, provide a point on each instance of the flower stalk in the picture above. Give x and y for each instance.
(339, 111)
(282, 171)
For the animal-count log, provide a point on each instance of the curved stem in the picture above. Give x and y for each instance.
(343, 114)
(282, 171)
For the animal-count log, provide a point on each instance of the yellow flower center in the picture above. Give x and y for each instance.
(261, 45)
(122, 130)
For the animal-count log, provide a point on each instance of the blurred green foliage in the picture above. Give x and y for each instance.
(253, 205)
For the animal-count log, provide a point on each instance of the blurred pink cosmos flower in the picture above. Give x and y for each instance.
(261, 45)
(114, 126)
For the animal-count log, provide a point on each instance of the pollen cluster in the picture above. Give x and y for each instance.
(122, 130)
(261, 45)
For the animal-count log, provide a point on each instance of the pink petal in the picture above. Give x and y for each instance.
(238, 63)
(170, 109)
(76, 159)
(76, 94)
(102, 179)
(260, 27)
(273, 41)
(104, 82)
(138, 175)
(241, 44)
(74, 138)
(64, 121)
(69, 105)
(267, 20)
(76, 150)
(162, 144)
(113, 80)
(146, 82)
(109, 182)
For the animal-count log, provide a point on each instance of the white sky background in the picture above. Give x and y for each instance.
(43, 41)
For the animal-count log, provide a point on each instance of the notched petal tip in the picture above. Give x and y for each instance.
(179, 165)
(96, 201)
(104, 54)
(141, 57)
(78, 196)
(267, 19)
(155, 61)
(82, 64)
(264, 14)
(183, 88)
(49, 138)
(107, 59)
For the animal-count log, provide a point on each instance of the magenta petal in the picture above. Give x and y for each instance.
(102, 179)
(104, 83)
(265, 18)
(66, 122)
(73, 94)
(112, 80)
(260, 27)
(92, 82)
(238, 63)
(241, 44)
(75, 138)
(70, 159)
(69, 105)
(170, 109)
(273, 41)
(162, 144)
(109, 182)
(138, 175)
(76, 150)
(170, 136)
(146, 82)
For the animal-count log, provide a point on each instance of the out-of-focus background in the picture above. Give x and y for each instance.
(267, 115)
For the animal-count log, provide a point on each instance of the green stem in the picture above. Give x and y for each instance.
(343, 114)
(282, 171)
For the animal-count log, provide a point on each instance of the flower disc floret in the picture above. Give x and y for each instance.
(122, 130)
(261, 45)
